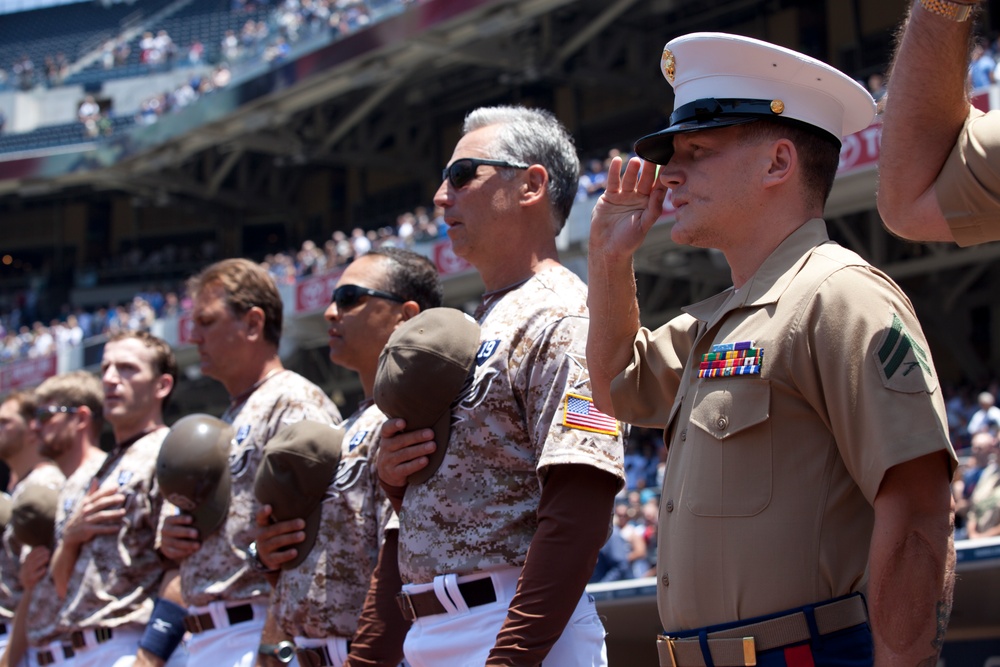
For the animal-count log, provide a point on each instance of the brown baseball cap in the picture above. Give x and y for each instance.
(421, 372)
(33, 515)
(299, 463)
(192, 469)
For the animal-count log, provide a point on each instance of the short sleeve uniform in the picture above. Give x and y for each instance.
(11, 551)
(116, 577)
(968, 187)
(323, 596)
(219, 570)
(775, 457)
(43, 612)
(528, 407)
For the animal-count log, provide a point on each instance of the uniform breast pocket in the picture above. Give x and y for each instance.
(730, 449)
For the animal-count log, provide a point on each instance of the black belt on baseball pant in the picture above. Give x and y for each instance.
(77, 642)
(738, 646)
(316, 656)
(195, 623)
(417, 605)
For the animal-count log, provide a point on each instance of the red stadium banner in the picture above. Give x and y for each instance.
(313, 293)
(184, 324)
(860, 150)
(446, 261)
(26, 373)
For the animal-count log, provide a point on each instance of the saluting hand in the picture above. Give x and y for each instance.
(631, 203)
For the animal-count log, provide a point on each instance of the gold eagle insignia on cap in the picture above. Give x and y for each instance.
(777, 106)
(668, 65)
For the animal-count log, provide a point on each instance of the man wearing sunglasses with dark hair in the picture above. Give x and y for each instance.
(237, 318)
(318, 601)
(531, 467)
(68, 419)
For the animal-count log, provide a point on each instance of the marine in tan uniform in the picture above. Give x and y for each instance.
(19, 451)
(319, 600)
(531, 468)
(105, 566)
(952, 192)
(68, 419)
(808, 451)
(237, 319)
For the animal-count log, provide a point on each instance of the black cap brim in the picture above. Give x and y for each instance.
(658, 147)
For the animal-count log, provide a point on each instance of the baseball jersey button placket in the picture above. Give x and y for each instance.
(665, 579)
(669, 506)
(722, 423)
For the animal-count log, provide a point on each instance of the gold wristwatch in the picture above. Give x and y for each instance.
(953, 11)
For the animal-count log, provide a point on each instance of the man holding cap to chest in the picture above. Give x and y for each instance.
(809, 459)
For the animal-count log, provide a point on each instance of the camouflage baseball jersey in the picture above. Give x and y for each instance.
(219, 570)
(43, 613)
(323, 596)
(527, 408)
(117, 576)
(46, 474)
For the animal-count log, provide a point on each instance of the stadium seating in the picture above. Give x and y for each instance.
(51, 136)
(68, 29)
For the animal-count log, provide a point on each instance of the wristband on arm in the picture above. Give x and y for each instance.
(165, 629)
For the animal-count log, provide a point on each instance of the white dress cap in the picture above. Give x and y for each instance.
(721, 79)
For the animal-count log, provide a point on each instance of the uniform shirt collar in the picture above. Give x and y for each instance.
(771, 279)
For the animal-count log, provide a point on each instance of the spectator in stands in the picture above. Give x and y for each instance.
(24, 73)
(593, 180)
(108, 54)
(983, 63)
(984, 502)
(624, 549)
(230, 46)
(965, 484)
(987, 417)
(196, 52)
(122, 52)
(89, 112)
(876, 85)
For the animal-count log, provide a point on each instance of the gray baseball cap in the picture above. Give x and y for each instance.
(421, 372)
(33, 515)
(299, 463)
(192, 469)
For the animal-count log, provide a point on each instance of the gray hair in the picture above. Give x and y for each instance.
(533, 136)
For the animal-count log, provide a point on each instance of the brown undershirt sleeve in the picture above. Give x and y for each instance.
(574, 517)
(381, 626)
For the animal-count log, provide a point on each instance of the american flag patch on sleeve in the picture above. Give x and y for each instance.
(581, 413)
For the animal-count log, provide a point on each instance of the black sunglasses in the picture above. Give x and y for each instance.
(347, 296)
(463, 170)
(44, 414)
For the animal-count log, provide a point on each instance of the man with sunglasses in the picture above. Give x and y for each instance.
(236, 324)
(68, 418)
(105, 565)
(319, 599)
(531, 468)
(19, 451)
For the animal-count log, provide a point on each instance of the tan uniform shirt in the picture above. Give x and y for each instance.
(968, 187)
(12, 551)
(43, 612)
(323, 596)
(116, 577)
(219, 570)
(770, 477)
(477, 512)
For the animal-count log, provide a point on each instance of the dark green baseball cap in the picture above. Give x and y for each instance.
(192, 469)
(299, 463)
(422, 370)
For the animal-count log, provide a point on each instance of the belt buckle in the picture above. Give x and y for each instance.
(406, 606)
(670, 648)
(749, 652)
